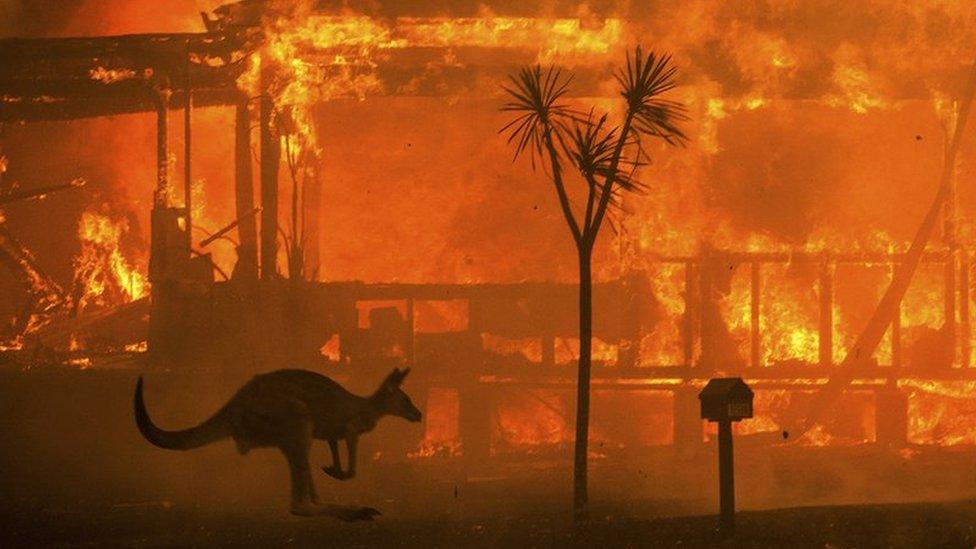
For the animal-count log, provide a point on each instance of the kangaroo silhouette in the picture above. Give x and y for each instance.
(287, 409)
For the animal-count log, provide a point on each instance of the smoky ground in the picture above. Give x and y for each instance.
(948, 524)
(74, 470)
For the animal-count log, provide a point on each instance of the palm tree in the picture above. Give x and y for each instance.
(607, 158)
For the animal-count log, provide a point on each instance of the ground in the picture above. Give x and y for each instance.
(950, 524)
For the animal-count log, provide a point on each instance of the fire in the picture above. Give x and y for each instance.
(941, 412)
(111, 76)
(743, 76)
(441, 435)
(103, 275)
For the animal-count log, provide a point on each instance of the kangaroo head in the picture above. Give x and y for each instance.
(393, 401)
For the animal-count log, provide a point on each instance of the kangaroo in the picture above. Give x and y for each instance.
(288, 409)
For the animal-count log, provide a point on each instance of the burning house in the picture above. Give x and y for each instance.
(307, 184)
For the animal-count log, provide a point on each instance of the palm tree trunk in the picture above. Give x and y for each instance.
(583, 385)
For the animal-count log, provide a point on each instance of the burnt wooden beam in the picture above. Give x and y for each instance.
(45, 110)
(270, 160)
(247, 251)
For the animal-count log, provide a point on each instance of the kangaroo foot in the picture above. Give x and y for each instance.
(337, 474)
(348, 513)
(353, 513)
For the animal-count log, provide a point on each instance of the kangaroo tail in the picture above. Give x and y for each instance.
(209, 431)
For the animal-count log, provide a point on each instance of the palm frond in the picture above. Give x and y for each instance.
(591, 146)
(642, 82)
(536, 98)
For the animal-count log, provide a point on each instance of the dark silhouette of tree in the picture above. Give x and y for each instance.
(606, 157)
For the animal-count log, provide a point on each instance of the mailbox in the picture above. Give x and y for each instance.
(726, 399)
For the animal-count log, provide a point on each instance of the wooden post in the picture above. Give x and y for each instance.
(826, 336)
(159, 338)
(312, 223)
(896, 354)
(964, 323)
(688, 320)
(891, 416)
(161, 196)
(476, 407)
(896, 358)
(726, 482)
(411, 342)
(704, 305)
(247, 253)
(755, 355)
(187, 150)
(950, 305)
(270, 159)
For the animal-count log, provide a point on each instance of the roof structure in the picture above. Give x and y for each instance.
(66, 78)
(725, 386)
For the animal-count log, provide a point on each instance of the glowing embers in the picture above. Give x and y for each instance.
(441, 436)
(104, 277)
(541, 420)
(941, 413)
(774, 408)
(663, 344)
(441, 316)
(554, 350)
(551, 38)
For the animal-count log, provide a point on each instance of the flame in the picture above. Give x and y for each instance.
(111, 76)
(441, 435)
(941, 413)
(739, 69)
(104, 275)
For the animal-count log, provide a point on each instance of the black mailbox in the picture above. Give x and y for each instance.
(726, 399)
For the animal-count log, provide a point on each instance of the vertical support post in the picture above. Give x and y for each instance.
(159, 339)
(950, 224)
(476, 406)
(950, 304)
(688, 320)
(247, 253)
(726, 489)
(964, 321)
(161, 195)
(270, 159)
(187, 149)
(411, 328)
(705, 306)
(896, 354)
(891, 416)
(826, 335)
(755, 354)
(160, 247)
(312, 223)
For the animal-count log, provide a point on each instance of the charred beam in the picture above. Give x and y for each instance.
(270, 159)
(247, 252)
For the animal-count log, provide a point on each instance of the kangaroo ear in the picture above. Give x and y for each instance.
(396, 377)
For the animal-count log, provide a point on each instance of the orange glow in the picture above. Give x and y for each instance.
(106, 277)
(802, 142)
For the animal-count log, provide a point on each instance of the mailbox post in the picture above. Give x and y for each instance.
(725, 400)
